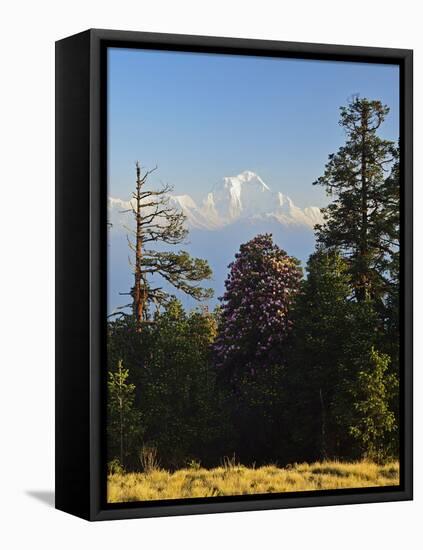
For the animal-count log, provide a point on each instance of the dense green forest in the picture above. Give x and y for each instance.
(296, 364)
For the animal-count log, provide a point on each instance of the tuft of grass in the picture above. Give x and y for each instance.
(149, 459)
(233, 478)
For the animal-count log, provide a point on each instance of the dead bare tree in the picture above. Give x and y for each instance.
(157, 220)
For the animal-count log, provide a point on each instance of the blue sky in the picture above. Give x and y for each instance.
(204, 116)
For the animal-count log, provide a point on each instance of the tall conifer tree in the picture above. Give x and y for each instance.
(356, 222)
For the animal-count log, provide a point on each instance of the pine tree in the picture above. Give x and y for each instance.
(356, 222)
(363, 223)
(123, 423)
(342, 388)
(373, 424)
(391, 260)
(157, 221)
(322, 326)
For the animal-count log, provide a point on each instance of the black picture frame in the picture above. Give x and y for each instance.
(81, 249)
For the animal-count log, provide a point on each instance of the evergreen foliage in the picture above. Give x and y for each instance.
(288, 368)
(372, 420)
(124, 421)
(362, 219)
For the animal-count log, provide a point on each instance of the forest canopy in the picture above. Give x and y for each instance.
(297, 364)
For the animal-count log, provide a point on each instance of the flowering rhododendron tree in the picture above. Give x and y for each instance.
(255, 316)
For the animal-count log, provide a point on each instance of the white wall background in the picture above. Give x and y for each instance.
(28, 31)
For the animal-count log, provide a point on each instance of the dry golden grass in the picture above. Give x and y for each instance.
(240, 480)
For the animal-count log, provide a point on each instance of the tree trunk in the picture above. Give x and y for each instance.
(363, 279)
(121, 430)
(323, 425)
(139, 286)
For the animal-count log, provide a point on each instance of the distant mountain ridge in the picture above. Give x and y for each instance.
(237, 199)
(245, 196)
(233, 212)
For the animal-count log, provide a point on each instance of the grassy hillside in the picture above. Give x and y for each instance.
(240, 480)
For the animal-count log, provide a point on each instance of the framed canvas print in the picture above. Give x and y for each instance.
(234, 274)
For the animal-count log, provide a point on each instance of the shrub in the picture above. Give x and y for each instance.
(115, 467)
(149, 459)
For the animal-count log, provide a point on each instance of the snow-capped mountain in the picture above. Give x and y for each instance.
(244, 197)
(236, 209)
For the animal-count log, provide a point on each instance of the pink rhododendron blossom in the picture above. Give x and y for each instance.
(255, 317)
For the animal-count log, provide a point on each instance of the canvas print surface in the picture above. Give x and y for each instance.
(253, 275)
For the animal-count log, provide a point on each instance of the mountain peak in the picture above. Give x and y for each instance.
(247, 177)
(244, 197)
